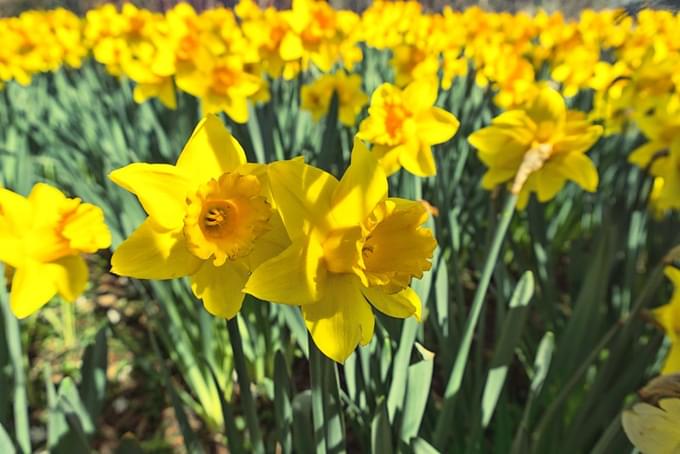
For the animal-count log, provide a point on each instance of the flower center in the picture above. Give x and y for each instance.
(394, 120)
(216, 217)
(225, 217)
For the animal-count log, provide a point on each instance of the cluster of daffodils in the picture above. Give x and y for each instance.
(285, 232)
(228, 57)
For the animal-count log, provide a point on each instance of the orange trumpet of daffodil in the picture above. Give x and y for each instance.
(42, 237)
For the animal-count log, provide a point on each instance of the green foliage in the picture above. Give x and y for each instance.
(531, 341)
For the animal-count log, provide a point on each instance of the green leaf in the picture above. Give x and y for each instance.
(381, 436)
(282, 402)
(93, 373)
(417, 396)
(303, 433)
(506, 344)
(6, 445)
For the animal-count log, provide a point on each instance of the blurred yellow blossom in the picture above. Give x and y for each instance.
(42, 238)
(316, 96)
(403, 125)
(538, 148)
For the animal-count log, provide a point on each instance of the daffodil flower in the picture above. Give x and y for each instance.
(403, 125)
(668, 316)
(351, 246)
(42, 238)
(209, 218)
(538, 148)
(653, 426)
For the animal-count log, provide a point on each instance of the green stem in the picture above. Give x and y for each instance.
(458, 370)
(316, 378)
(68, 323)
(247, 400)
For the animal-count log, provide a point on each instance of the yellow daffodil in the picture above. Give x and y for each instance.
(42, 238)
(402, 125)
(351, 245)
(209, 218)
(653, 426)
(661, 154)
(538, 148)
(316, 97)
(223, 85)
(668, 316)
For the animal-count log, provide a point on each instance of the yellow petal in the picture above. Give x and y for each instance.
(293, 277)
(547, 182)
(341, 319)
(421, 94)
(436, 125)
(578, 141)
(400, 305)
(361, 188)
(220, 287)
(548, 106)
(578, 168)
(643, 154)
(671, 364)
(153, 253)
(15, 210)
(210, 152)
(11, 247)
(388, 157)
(167, 94)
(291, 47)
(652, 429)
(70, 276)
(33, 286)
(500, 147)
(419, 160)
(160, 188)
(497, 175)
(673, 274)
(302, 194)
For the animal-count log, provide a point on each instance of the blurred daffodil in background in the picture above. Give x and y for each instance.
(403, 125)
(210, 218)
(316, 97)
(653, 425)
(42, 238)
(351, 246)
(668, 316)
(538, 148)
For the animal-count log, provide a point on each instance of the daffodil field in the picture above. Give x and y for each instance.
(315, 230)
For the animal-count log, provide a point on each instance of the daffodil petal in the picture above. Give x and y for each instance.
(643, 154)
(671, 364)
(497, 175)
(160, 188)
(342, 319)
(400, 305)
(70, 275)
(361, 188)
(220, 288)
(548, 182)
(419, 161)
(15, 210)
(579, 168)
(293, 277)
(302, 194)
(153, 253)
(548, 106)
(210, 151)
(436, 125)
(33, 286)
(421, 94)
(388, 157)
